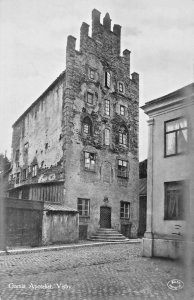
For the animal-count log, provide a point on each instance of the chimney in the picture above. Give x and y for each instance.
(95, 20)
(107, 22)
(83, 34)
(117, 32)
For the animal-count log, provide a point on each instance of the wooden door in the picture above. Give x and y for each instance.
(105, 217)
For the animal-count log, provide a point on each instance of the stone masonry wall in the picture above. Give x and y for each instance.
(101, 53)
(38, 137)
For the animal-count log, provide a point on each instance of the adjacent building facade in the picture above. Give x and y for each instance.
(77, 144)
(170, 205)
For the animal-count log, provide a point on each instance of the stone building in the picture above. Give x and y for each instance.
(170, 203)
(77, 144)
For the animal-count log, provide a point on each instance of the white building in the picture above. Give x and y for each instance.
(170, 202)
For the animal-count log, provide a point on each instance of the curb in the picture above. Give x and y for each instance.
(63, 247)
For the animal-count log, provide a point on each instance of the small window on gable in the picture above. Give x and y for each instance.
(87, 126)
(122, 168)
(107, 137)
(107, 79)
(89, 161)
(121, 87)
(122, 110)
(92, 74)
(90, 98)
(107, 107)
(34, 170)
(26, 146)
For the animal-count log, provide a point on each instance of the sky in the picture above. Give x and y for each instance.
(33, 34)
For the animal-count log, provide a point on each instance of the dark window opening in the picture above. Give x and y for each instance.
(107, 79)
(89, 161)
(175, 200)
(123, 136)
(87, 126)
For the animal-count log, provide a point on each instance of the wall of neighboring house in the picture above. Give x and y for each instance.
(166, 169)
(60, 227)
(101, 53)
(170, 177)
(37, 140)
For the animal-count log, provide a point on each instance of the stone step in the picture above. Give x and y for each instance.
(109, 240)
(109, 235)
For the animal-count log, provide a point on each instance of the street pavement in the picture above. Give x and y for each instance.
(98, 272)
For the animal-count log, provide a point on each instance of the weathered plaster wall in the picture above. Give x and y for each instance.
(60, 227)
(101, 53)
(166, 169)
(38, 137)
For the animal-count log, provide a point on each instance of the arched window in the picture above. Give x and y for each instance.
(123, 136)
(87, 126)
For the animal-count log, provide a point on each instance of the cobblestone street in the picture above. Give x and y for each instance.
(99, 272)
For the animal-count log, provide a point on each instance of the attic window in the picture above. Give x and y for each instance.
(46, 146)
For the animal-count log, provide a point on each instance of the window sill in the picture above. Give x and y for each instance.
(88, 170)
(176, 154)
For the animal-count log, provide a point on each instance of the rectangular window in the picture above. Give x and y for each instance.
(17, 180)
(90, 98)
(174, 200)
(83, 206)
(121, 89)
(34, 170)
(24, 174)
(107, 107)
(89, 161)
(17, 155)
(92, 74)
(107, 79)
(122, 168)
(125, 210)
(107, 136)
(122, 110)
(176, 136)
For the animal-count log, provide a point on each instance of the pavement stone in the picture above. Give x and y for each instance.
(105, 272)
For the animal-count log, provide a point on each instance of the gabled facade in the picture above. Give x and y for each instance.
(78, 143)
(170, 205)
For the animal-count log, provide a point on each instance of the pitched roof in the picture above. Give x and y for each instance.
(58, 207)
(51, 86)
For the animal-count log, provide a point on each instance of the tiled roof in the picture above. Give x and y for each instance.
(143, 186)
(58, 207)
